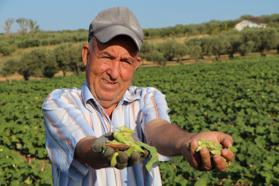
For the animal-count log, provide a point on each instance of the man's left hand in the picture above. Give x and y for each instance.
(203, 159)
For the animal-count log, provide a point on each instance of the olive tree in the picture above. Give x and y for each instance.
(37, 63)
(68, 58)
(268, 39)
(172, 50)
(10, 67)
(234, 39)
(215, 45)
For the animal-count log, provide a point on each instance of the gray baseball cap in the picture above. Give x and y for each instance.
(116, 21)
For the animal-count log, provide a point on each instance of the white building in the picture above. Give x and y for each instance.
(248, 24)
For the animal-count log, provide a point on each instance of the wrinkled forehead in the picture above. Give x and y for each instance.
(123, 41)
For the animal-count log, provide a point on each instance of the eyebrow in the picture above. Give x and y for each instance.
(105, 53)
(126, 57)
(122, 57)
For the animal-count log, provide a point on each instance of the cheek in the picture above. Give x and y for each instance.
(127, 75)
(97, 69)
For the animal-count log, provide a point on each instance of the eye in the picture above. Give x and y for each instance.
(106, 57)
(129, 61)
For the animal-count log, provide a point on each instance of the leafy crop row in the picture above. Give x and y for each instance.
(240, 98)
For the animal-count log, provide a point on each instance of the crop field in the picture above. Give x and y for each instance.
(240, 97)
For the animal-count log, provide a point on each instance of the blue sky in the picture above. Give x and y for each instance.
(75, 14)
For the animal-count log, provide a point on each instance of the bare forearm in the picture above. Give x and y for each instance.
(171, 140)
(84, 154)
(168, 139)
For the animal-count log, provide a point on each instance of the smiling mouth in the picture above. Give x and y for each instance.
(109, 84)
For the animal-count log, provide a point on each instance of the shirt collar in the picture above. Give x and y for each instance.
(130, 95)
(86, 93)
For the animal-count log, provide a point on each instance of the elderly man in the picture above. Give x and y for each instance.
(76, 119)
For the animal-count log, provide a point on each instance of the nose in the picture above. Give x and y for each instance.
(114, 70)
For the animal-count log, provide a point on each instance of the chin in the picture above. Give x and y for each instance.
(108, 97)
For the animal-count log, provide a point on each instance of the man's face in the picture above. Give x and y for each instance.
(110, 68)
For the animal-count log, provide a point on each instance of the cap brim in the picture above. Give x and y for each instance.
(110, 32)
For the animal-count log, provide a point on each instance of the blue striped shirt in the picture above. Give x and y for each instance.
(72, 114)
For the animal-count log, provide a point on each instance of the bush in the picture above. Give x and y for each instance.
(146, 48)
(172, 50)
(268, 39)
(195, 51)
(9, 67)
(50, 68)
(68, 57)
(28, 43)
(37, 63)
(215, 45)
(234, 38)
(246, 48)
(5, 48)
(157, 57)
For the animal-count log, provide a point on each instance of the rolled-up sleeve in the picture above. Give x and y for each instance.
(65, 125)
(154, 106)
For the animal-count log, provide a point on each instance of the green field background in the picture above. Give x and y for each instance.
(240, 97)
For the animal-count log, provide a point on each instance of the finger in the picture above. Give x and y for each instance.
(99, 144)
(196, 161)
(193, 146)
(192, 156)
(220, 163)
(206, 159)
(121, 165)
(227, 154)
(108, 152)
(134, 158)
(226, 140)
(144, 154)
(122, 158)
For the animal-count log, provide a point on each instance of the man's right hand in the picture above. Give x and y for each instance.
(99, 145)
(102, 146)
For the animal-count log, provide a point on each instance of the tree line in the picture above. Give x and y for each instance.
(212, 39)
(67, 57)
(10, 44)
(29, 34)
(46, 62)
(226, 43)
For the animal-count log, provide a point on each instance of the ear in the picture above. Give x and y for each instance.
(139, 62)
(85, 53)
